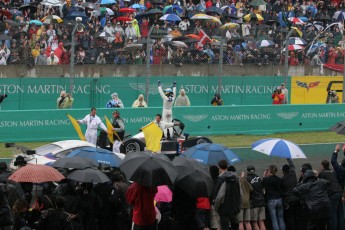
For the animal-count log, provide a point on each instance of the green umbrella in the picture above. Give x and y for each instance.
(258, 3)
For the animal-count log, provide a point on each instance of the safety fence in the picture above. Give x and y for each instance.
(48, 125)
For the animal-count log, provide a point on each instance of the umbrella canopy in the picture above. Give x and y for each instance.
(89, 5)
(193, 36)
(4, 37)
(132, 47)
(210, 153)
(214, 10)
(179, 44)
(124, 19)
(51, 19)
(149, 169)
(339, 128)
(97, 154)
(36, 22)
(74, 162)
(27, 6)
(138, 7)
(297, 41)
(279, 148)
(258, 3)
(231, 9)
(253, 17)
(72, 15)
(193, 177)
(51, 3)
(127, 10)
(36, 174)
(88, 176)
(170, 17)
(294, 47)
(315, 26)
(339, 16)
(172, 9)
(106, 2)
(230, 25)
(164, 194)
(296, 21)
(265, 43)
(105, 35)
(99, 11)
(201, 17)
(154, 11)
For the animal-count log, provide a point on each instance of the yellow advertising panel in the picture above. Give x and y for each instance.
(314, 89)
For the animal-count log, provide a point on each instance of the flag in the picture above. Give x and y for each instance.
(298, 31)
(76, 127)
(110, 130)
(153, 135)
(203, 39)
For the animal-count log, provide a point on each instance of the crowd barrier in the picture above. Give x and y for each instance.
(51, 125)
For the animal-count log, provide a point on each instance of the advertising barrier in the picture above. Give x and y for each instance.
(42, 93)
(50, 125)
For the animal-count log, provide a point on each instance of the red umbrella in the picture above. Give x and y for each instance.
(125, 19)
(36, 174)
(127, 10)
(193, 36)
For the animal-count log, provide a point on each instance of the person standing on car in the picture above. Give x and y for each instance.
(92, 121)
(119, 128)
(168, 99)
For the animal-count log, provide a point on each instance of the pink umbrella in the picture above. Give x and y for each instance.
(164, 194)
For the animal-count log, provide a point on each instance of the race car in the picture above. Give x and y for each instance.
(48, 153)
(177, 145)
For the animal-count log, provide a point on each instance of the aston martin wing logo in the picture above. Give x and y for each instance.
(195, 118)
(141, 87)
(287, 116)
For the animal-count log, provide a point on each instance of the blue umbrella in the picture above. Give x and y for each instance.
(339, 16)
(106, 2)
(279, 148)
(36, 22)
(304, 19)
(231, 9)
(170, 17)
(210, 154)
(97, 154)
(138, 6)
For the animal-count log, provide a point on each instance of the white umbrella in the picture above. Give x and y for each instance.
(51, 3)
(97, 12)
(179, 44)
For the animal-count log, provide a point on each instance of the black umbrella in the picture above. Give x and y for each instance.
(213, 10)
(149, 169)
(143, 41)
(193, 177)
(27, 6)
(88, 176)
(339, 128)
(74, 162)
(180, 38)
(4, 37)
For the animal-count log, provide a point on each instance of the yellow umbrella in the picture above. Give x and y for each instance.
(51, 19)
(201, 17)
(230, 25)
(215, 19)
(253, 16)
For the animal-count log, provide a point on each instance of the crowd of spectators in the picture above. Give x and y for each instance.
(117, 33)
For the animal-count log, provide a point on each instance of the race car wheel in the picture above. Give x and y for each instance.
(132, 147)
(202, 140)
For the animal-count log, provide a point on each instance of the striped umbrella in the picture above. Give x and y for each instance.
(339, 15)
(51, 19)
(294, 47)
(253, 17)
(297, 41)
(279, 148)
(296, 21)
(170, 17)
(36, 174)
(265, 43)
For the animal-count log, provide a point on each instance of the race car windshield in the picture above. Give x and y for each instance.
(45, 149)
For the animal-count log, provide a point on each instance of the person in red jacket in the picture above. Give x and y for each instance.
(202, 215)
(278, 96)
(142, 200)
(209, 4)
(293, 60)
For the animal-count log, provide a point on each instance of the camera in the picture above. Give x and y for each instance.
(331, 93)
(2, 97)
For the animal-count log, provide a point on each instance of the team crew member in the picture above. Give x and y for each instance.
(119, 127)
(92, 121)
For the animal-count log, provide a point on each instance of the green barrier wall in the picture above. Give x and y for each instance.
(40, 125)
(42, 93)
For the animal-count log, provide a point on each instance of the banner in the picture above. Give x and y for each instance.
(52, 125)
(314, 90)
(42, 93)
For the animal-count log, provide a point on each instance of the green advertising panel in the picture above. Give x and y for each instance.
(42, 93)
(41, 125)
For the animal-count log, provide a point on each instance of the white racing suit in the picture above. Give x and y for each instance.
(167, 110)
(92, 125)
